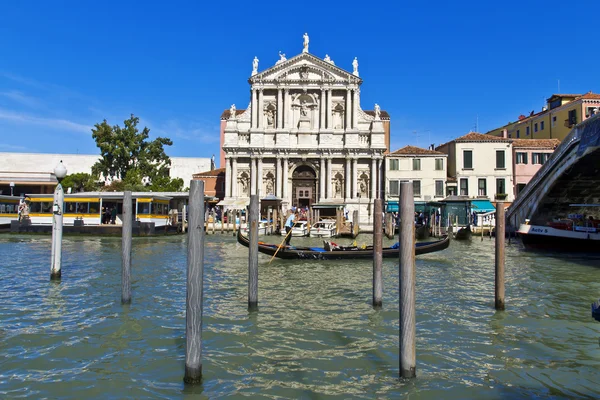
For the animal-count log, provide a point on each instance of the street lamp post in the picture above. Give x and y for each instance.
(12, 186)
(57, 222)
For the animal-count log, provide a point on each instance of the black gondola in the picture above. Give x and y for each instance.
(463, 233)
(340, 252)
(421, 232)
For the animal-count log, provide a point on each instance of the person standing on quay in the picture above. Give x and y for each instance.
(289, 223)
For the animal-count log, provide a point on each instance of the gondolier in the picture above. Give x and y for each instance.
(289, 223)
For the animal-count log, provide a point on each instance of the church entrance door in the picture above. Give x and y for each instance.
(304, 186)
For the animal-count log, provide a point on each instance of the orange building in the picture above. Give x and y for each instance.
(214, 182)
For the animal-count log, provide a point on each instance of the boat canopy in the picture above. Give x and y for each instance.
(234, 204)
(482, 206)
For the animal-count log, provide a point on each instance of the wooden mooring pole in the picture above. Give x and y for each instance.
(57, 230)
(253, 253)
(377, 254)
(126, 248)
(499, 259)
(194, 287)
(407, 282)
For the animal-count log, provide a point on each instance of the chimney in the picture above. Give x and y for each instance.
(504, 134)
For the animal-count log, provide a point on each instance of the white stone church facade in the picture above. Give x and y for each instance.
(305, 139)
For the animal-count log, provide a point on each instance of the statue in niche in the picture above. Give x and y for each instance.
(255, 66)
(232, 111)
(305, 43)
(269, 186)
(377, 112)
(270, 118)
(304, 109)
(244, 185)
(338, 117)
(363, 188)
(338, 188)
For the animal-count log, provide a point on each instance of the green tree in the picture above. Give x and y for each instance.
(80, 182)
(128, 155)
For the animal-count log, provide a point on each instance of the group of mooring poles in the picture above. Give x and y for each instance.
(195, 269)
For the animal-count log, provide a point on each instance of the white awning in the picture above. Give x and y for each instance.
(234, 204)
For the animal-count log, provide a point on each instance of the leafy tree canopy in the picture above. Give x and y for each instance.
(80, 182)
(127, 156)
(125, 149)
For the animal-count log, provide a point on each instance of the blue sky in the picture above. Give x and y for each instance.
(440, 69)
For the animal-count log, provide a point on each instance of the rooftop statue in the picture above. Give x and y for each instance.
(232, 111)
(355, 66)
(255, 66)
(281, 58)
(329, 60)
(306, 41)
(377, 112)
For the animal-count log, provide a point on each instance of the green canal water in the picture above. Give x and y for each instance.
(315, 335)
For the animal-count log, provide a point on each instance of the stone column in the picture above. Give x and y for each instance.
(355, 109)
(259, 112)
(328, 179)
(328, 112)
(286, 111)
(379, 179)
(259, 177)
(234, 183)
(354, 178)
(252, 175)
(348, 175)
(322, 180)
(253, 107)
(373, 179)
(322, 120)
(278, 177)
(348, 110)
(279, 109)
(285, 179)
(227, 177)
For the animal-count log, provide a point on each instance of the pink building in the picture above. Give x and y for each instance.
(528, 157)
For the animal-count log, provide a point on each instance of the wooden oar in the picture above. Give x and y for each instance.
(278, 247)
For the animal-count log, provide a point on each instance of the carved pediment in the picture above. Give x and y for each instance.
(304, 68)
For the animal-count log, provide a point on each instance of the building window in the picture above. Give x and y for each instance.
(417, 188)
(468, 159)
(464, 187)
(439, 164)
(542, 126)
(500, 159)
(572, 117)
(521, 158)
(535, 127)
(394, 164)
(527, 131)
(554, 121)
(439, 188)
(520, 187)
(482, 187)
(416, 164)
(500, 186)
(518, 133)
(545, 157)
(394, 189)
(536, 158)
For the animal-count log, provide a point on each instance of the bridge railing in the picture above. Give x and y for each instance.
(566, 145)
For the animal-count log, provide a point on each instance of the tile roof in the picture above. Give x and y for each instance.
(480, 137)
(214, 172)
(226, 113)
(536, 143)
(590, 95)
(411, 150)
(383, 115)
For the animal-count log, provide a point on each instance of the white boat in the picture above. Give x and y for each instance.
(561, 235)
(263, 227)
(323, 228)
(299, 229)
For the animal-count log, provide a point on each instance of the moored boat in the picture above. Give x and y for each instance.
(561, 236)
(463, 233)
(300, 229)
(323, 228)
(334, 252)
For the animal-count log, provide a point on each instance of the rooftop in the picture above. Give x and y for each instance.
(536, 143)
(211, 173)
(412, 150)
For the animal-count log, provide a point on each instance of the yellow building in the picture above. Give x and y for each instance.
(555, 121)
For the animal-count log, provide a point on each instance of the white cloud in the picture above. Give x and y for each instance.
(53, 123)
(10, 147)
(21, 98)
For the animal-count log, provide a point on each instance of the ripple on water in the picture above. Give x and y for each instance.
(315, 333)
